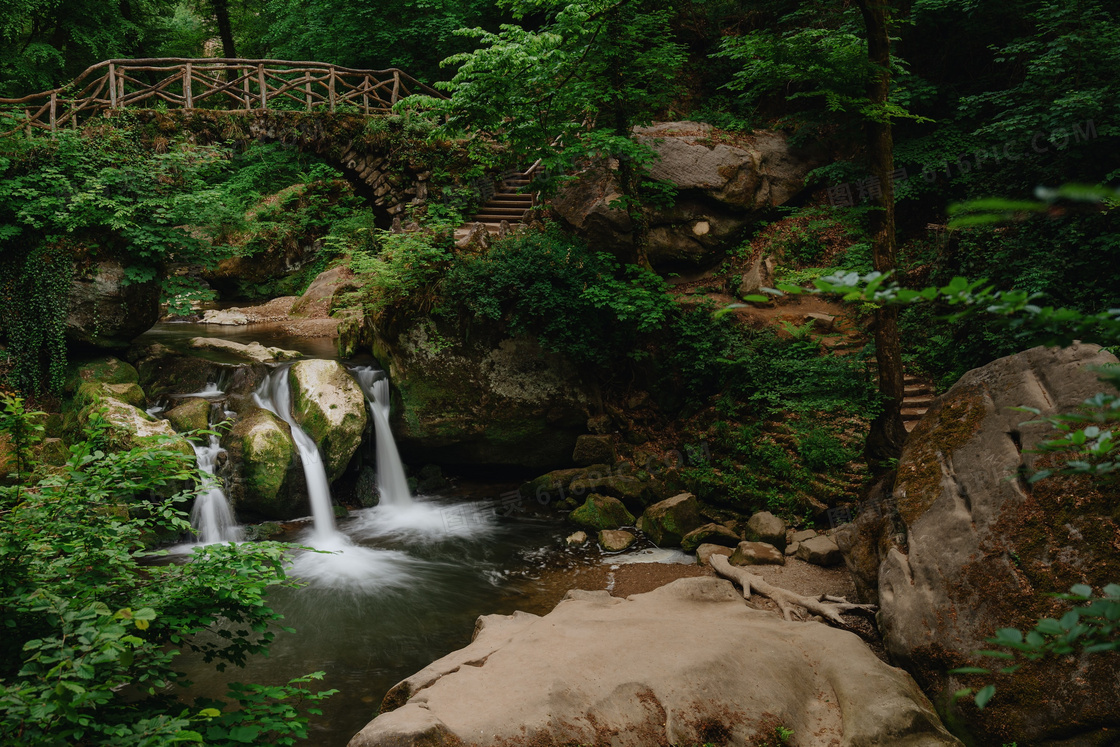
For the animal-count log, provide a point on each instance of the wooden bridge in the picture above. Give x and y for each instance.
(233, 85)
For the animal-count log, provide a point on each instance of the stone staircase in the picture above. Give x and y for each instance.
(508, 204)
(917, 397)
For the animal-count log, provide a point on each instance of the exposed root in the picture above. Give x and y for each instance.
(828, 607)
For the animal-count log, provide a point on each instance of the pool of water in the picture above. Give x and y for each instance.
(400, 588)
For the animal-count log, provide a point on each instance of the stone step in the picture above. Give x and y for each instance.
(918, 401)
(501, 209)
(917, 389)
(516, 198)
(914, 412)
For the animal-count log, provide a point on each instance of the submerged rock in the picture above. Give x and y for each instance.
(709, 665)
(265, 478)
(666, 523)
(328, 404)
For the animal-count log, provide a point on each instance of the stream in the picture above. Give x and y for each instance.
(390, 588)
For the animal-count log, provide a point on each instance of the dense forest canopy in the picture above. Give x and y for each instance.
(1010, 108)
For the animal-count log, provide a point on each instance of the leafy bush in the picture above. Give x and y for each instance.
(92, 627)
(577, 302)
(393, 267)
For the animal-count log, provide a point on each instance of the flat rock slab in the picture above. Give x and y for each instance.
(254, 351)
(673, 666)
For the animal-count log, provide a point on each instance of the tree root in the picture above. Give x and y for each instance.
(828, 607)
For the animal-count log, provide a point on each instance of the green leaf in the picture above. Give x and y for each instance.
(984, 696)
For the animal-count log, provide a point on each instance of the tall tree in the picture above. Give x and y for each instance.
(225, 28)
(887, 431)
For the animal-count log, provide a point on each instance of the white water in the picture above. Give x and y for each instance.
(275, 395)
(210, 390)
(391, 482)
(212, 515)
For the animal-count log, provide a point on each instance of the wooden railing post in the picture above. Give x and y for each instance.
(365, 95)
(245, 86)
(263, 85)
(54, 111)
(188, 94)
(330, 92)
(396, 85)
(112, 86)
(307, 88)
(27, 119)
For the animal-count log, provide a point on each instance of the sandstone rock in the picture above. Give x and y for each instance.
(576, 539)
(803, 535)
(709, 665)
(105, 312)
(820, 550)
(616, 540)
(265, 478)
(225, 317)
(484, 400)
(791, 549)
(971, 548)
(758, 276)
(253, 351)
(592, 449)
(602, 512)
(666, 523)
(191, 414)
(766, 527)
(316, 301)
(757, 553)
(706, 551)
(723, 182)
(165, 372)
(712, 534)
(330, 407)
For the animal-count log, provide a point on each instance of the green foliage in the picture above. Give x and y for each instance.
(35, 287)
(92, 627)
(577, 302)
(393, 268)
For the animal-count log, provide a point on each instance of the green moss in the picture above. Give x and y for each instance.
(104, 371)
(192, 415)
(602, 512)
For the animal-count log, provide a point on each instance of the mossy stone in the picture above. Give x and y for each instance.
(330, 407)
(191, 415)
(667, 522)
(602, 512)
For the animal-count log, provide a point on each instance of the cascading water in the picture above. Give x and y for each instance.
(391, 481)
(212, 515)
(275, 395)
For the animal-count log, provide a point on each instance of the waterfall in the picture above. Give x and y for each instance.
(275, 395)
(212, 515)
(390, 472)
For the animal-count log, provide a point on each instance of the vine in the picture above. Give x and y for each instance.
(36, 287)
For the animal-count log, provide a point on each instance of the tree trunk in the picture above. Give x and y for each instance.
(225, 29)
(887, 431)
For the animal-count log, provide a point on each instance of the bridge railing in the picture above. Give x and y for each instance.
(209, 83)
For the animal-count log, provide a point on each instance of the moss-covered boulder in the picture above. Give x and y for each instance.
(106, 308)
(91, 392)
(635, 493)
(602, 512)
(328, 404)
(106, 370)
(483, 398)
(191, 414)
(666, 523)
(264, 474)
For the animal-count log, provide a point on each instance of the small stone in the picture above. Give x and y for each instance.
(791, 548)
(593, 449)
(666, 523)
(706, 551)
(600, 425)
(711, 534)
(820, 550)
(803, 535)
(191, 415)
(576, 539)
(766, 527)
(602, 512)
(616, 540)
(757, 553)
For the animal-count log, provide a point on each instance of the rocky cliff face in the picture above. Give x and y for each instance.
(107, 313)
(965, 546)
(724, 183)
(482, 398)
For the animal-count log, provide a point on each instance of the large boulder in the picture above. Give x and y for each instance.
(667, 522)
(117, 400)
(966, 546)
(710, 670)
(602, 512)
(264, 476)
(191, 414)
(316, 301)
(483, 398)
(330, 407)
(105, 311)
(724, 181)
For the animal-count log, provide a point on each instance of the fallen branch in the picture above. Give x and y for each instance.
(829, 607)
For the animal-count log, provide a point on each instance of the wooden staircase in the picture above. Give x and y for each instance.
(917, 398)
(509, 204)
